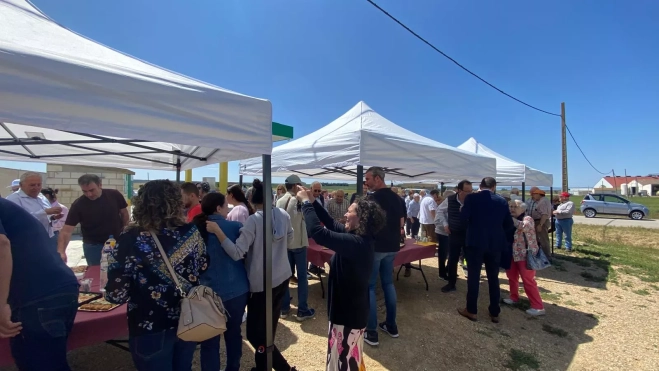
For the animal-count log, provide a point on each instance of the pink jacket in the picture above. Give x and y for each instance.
(527, 227)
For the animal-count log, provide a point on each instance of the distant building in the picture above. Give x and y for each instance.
(8, 175)
(630, 185)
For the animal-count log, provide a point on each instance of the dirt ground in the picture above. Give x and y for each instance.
(589, 326)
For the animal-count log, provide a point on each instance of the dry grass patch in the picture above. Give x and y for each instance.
(630, 236)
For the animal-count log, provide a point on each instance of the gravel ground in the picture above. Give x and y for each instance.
(588, 326)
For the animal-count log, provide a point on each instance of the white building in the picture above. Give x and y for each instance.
(630, 185)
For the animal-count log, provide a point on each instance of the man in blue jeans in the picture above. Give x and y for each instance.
(38, 292)
(100, 212)
(387, 244)
(297, 251)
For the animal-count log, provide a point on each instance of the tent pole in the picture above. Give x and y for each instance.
(523, 191)
(178, 169)
(551, 194)
(267, 258)
(240, 181)
(441, 187)
(360, 180)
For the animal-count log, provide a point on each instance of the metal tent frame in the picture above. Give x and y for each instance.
(140, 145)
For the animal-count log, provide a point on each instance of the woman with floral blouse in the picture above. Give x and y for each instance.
(138, 275)
(524, 241)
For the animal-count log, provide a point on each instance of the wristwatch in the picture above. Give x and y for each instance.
(306, 202)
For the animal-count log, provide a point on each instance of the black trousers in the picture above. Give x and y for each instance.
(255, 330)
(412, 227)
(442, 254)
(456, 243)
(475, 260)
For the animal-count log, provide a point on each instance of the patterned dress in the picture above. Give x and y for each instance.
(345, 350)
(138, 275)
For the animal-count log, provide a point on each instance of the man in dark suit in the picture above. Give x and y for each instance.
(488, 218)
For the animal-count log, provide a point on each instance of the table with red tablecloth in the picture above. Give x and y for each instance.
(411, 252)
(89, 328)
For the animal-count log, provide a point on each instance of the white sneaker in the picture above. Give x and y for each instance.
(509, 301)
(535, 312)
(244, 317)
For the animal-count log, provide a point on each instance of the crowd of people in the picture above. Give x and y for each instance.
(216, 240)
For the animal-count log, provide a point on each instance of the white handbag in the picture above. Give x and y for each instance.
(202, 312)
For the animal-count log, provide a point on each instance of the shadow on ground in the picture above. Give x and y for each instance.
(432, 335)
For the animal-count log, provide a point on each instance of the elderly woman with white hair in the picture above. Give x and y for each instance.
(524, 242)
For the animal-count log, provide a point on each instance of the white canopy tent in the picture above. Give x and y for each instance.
(51, 77)
(54, 79)
(362, 137)
(509, 172)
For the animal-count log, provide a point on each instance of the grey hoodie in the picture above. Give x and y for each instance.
(250, 246)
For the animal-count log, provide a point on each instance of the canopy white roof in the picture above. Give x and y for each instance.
(362, 137)
(509, 172)
(51, 77)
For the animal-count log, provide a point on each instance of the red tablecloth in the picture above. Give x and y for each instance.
(89, 327)
(411, 252)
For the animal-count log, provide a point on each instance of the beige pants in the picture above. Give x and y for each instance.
(543, 238)
(430, 232)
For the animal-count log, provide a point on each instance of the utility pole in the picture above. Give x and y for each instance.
(564, 149)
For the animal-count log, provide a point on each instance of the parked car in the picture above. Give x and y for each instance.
(603, 203)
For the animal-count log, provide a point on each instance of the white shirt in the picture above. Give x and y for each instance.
(427, 206)
(514, 197)
(35, 206)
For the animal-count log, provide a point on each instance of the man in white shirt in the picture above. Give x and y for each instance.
(514, 195)
(30, 199)
(427, 214)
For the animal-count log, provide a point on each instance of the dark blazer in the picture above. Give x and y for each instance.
(488, 219)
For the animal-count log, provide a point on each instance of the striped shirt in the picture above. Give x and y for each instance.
(337, 210)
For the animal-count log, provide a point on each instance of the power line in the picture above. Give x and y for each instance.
(583, 154)
(456, 62)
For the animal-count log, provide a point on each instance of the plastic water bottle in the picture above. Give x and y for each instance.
(107, 247)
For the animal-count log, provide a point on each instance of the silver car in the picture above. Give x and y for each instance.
(603, 203)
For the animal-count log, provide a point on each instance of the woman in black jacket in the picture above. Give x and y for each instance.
(350, 272)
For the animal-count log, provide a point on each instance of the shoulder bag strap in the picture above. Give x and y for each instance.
(287, 202)
(171, 270)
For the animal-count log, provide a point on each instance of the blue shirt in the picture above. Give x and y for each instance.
(413, 209)
(227, 277)
(38, 269)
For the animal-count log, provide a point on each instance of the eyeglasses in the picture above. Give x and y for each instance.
(316, 191)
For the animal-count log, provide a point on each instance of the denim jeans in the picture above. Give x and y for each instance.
(161, 351)
(564, 226)
(92, 253)
(298, 260)
(47, 322)
(210, 349)
(383, 265)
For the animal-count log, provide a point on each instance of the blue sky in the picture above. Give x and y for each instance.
(315, 59)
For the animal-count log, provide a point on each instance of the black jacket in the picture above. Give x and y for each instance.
(350, 267)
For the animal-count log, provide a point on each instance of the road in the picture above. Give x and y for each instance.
(603, 221)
